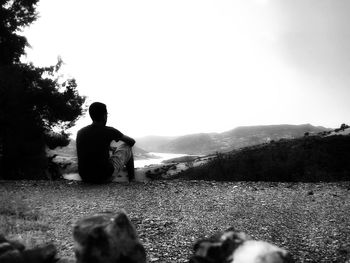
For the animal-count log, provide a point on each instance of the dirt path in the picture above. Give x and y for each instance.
(310, 220)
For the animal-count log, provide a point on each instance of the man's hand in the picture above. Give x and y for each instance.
(128, 140)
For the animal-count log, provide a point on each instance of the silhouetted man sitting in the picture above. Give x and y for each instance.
(97, 162)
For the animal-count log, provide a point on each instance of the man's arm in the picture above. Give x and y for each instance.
(128, 140)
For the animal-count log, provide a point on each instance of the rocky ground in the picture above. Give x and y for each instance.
(309, 219)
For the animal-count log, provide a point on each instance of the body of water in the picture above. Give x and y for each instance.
(162, 157)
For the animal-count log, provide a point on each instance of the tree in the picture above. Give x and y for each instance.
(344, 126)
(34, 101)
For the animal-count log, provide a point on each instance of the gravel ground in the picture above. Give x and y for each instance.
(310, 220)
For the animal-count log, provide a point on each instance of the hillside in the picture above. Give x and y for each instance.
(307, 159)
(193, 144)
(153, 143)
(206, 143)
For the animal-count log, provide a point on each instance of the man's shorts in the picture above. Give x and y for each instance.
(120, 153)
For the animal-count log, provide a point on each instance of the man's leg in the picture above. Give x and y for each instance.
(120, 156)
(130, 167)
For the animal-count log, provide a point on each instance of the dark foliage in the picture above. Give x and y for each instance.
(307, 159)
(33, 100)
(15, 252)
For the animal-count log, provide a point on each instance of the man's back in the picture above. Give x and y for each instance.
(93, 152)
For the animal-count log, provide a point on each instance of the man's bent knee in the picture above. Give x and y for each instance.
(120, 155)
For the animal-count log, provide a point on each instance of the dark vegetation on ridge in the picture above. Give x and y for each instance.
(306, 159)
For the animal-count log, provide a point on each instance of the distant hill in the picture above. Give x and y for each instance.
(201, 143)
(206, 143)
(153, 143)
(252, 135)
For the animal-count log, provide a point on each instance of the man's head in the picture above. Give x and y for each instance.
(98, 112)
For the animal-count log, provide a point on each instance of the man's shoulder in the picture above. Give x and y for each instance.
(114, 133)
(84, 129)
(92, 130)
(109, 128)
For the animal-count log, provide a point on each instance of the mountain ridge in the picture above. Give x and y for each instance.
(242, 136)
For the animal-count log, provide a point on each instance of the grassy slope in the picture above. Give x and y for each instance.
(306, 159)
(311, 220)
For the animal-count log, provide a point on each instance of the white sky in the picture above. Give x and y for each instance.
(186, 66)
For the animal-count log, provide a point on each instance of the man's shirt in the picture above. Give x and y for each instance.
(93, 143)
